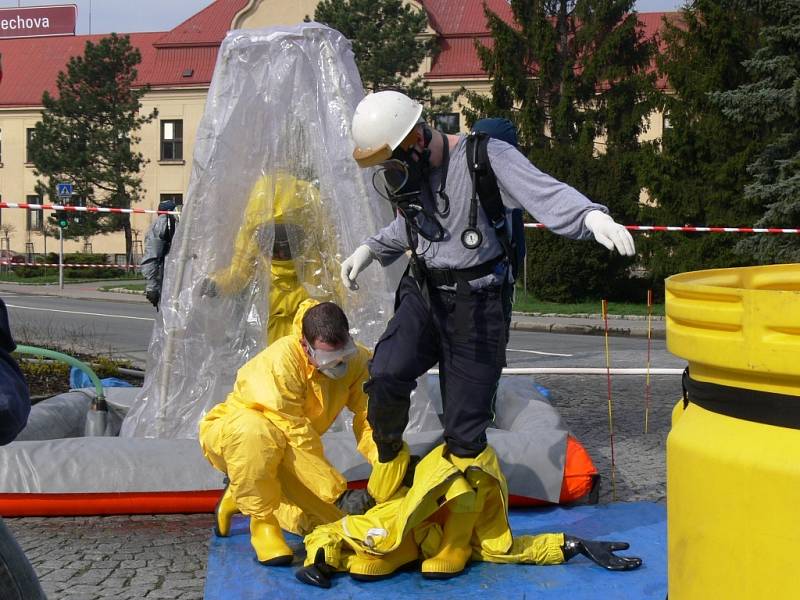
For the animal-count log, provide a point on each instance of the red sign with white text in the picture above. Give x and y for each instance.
(38, 21)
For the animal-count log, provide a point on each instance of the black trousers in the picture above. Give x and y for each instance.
(466, 334)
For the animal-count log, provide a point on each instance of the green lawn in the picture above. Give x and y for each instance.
(523, 303)
(52, 277)
(125, 285)
(527, 303)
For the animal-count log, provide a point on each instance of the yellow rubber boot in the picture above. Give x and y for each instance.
(223, 513)
(267, 540)
(455, 550)
(367, 567)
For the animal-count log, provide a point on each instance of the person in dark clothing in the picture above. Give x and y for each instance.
(17, 578)
(15, 404)
(452, 305)
(157, 243)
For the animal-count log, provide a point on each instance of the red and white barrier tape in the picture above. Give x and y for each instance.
(697, 229)
(686, 228)
(6, 263)
(94, 209)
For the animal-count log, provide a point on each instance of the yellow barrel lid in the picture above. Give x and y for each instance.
(738, 327)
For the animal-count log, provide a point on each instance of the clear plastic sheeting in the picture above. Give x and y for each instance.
(275, 202)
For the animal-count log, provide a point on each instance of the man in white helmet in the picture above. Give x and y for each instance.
(451, 304)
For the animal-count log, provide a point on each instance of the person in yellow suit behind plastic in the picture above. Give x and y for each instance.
(291, 206)
(266, 436)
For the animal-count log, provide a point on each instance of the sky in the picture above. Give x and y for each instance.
(127, 16)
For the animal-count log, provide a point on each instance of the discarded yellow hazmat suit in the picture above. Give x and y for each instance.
(440, 490)
(281, 198)
(266, 436)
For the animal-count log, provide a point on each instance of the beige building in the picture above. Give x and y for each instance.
(178, 66)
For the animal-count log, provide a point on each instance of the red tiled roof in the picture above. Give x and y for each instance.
(171, 63)
(31, 65)
(450, 17)
(208, 27)
(458, 58)
(461, 23)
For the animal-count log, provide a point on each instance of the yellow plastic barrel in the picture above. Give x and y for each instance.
(733, 484)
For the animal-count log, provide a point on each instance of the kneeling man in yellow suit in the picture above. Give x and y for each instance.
(266, 436)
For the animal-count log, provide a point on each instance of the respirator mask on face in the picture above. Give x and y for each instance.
(332, 363)
(404, 175)
(336, 372)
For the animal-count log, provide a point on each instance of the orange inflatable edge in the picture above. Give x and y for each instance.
(579, 474)
(107, 503)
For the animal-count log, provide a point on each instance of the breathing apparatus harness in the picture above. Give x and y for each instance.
(405, 174)
(404, 178)
(486, 191)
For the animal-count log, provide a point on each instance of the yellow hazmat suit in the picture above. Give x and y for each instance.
(284, 199)
(266, 436)
(440, 489)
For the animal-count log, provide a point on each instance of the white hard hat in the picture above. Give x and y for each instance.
(382, 120)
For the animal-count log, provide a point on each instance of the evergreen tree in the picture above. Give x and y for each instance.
(696, 174)
(87, 133)
(573, 75)
(386, 40)
(772, 102)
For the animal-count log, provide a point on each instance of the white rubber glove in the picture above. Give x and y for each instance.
(609, 233)
(354, 264)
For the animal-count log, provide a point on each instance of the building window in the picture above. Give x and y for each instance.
(28, 138)
(448, 122)
(35, 218)
(176, 198)
(172, 140)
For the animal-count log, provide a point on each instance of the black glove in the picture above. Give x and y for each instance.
(355, 502)
(154, 296)
(208, 287)
(319, 574)
(408, 479)
(601, 553)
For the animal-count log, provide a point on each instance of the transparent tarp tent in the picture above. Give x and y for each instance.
(275, 201)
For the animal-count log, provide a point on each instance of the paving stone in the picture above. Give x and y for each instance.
(93, 576)
(82, 591)
(164, 594)
(116, 583)
(58, 574)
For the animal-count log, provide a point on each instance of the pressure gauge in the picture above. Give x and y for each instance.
(471, 238)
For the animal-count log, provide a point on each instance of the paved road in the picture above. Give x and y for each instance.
(111, 328)
(122, 325)
(533, 349)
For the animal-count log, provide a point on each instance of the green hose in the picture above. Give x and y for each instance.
(74, 362)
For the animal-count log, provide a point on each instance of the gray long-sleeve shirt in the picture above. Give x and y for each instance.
(556, 205)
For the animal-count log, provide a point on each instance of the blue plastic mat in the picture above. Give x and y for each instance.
(78, 379)
(233, 572)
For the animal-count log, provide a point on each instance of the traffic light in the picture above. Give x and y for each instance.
(62, 221)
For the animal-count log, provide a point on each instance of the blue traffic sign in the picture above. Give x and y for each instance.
(64, 190)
